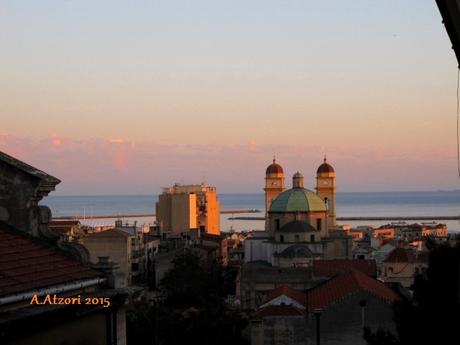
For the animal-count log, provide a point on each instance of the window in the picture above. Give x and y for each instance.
(281, 238)
(297, 238)
(312, 238)
(277, 224)
(318, 224)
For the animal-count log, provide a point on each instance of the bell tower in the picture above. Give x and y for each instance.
(274, 184)
(325, 189)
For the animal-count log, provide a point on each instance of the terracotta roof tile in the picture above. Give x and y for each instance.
(286, 290)
(401, 255)
(330, 268)
(342, 286)
(26, 266)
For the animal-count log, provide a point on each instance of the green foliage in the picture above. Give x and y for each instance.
(193, 282)
(380, 337)
(139, 325)
(194, 310)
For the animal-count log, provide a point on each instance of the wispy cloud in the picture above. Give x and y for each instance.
(115, 165)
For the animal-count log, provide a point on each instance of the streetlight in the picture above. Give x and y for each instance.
(317, 312)
(362, 304)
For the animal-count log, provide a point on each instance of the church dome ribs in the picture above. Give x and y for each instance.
(297, 200)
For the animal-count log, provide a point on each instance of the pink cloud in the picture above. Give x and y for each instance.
(102, 166)
(55, 140)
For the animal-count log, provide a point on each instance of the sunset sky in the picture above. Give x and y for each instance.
(117, 97)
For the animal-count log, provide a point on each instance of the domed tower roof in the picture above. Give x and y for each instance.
(325, 168)
(297, 200)
(274, 169)
(297, 175)
(297, 180)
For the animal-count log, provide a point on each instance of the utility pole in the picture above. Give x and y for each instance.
(317, 313)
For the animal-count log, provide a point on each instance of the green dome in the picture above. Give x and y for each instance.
(297, 200)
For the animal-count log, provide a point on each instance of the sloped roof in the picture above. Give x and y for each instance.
(332, 267)
(27, 265)
(278, 310)
(343, 285)
(286, 290)
(297, 226)
(111, 233)
(48, 182)
(401, 255)
(296, 251)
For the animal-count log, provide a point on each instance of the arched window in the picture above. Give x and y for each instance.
(318, 224)
(312, 238)
(277, 224)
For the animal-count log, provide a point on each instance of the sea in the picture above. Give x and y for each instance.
(350, 204)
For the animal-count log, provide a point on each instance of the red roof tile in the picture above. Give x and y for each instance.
(342, 286)
(286, 290)
(278, 310)
(330, 268)
(401, 255)
(26, 265)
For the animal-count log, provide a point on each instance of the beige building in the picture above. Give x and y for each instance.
(325, 189)
(402, 265)
(117, 245)
(274, 184)
(183, 208)
(300, 224)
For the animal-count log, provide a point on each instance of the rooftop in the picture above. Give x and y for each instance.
(401, 255)
(27, 264)
(297, 226)
(48, 182)
(297, 200)
(330, 268)
(343, 285)
(286, 290)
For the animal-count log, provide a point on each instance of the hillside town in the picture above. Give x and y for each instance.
(303, 270)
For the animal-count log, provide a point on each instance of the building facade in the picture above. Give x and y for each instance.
(300, 224)
(190, 207)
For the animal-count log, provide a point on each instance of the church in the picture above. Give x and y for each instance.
(300, 224)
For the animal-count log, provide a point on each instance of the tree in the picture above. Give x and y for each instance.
(194, 310)
(432, 315)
